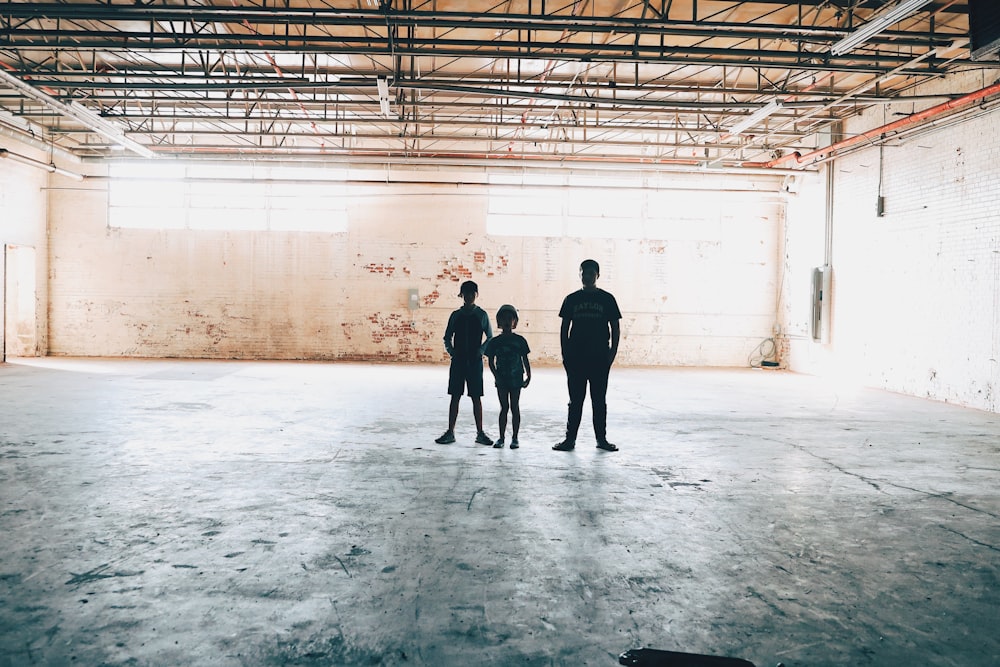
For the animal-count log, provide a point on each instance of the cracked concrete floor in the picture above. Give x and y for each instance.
(164, 512)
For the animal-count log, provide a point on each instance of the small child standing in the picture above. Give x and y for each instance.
(508, 356)
(463, 340)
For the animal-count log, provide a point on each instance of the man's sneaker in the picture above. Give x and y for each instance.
(607, 446)
(565, 446)
(514, 444)
(499, 443)
(483, 439)
(446, 439)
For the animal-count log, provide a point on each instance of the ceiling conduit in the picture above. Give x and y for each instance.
(49, 167)
(911, 120)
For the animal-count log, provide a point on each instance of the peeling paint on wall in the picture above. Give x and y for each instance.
(431, 298)
(399, 338)
(454, 272)
(381, 269)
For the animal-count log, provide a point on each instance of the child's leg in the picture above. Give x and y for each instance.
(515, 410)
(453, 411)
(504, 397)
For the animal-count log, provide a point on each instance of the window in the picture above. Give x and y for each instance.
(227, 197)
(594, 208)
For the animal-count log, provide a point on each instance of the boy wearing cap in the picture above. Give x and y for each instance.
(463, 339)
(508, 357)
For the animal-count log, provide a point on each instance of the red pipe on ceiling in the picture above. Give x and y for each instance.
(912, 119)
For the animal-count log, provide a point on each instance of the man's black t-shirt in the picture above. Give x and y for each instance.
(590, 313)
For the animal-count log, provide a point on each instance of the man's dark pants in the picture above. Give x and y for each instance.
(593, 370)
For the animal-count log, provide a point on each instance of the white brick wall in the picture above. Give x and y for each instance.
(916, 293)
(23, 214)
(686, 300)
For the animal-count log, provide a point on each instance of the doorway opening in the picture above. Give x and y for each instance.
(20, 321)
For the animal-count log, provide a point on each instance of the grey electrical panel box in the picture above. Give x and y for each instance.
(821, 280)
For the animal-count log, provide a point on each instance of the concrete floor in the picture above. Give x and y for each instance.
(230, 513)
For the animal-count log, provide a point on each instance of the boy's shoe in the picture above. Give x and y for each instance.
(565, 446)
(483, 439)
(606, 446)
(514, 444)
(499, 443)
(446, 438)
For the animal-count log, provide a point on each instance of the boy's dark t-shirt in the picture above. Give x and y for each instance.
(590, 313)
(509, 349)
(463, 337)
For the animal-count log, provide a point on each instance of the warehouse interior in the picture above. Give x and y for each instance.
(232, 236)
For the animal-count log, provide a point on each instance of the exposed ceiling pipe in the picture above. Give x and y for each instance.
(902, 123)
(79, 113)
(27, 137)
(51, 168)
(391, 159)
(495, 163)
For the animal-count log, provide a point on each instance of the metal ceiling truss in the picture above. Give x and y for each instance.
(589, 80)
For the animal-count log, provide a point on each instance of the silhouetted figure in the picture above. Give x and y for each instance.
(463, 339)
(508, 357)
(589, 340)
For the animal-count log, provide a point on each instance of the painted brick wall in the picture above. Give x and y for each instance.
(23, 212)
(916, 294)
(704, 297)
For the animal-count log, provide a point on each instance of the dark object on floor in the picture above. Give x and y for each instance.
(651, 657)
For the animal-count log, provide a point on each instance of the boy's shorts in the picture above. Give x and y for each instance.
(465, 373)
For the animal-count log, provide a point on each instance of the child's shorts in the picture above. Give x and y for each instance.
(465, 373)
(508, 384)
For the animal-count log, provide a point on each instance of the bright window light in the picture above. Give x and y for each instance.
(606, 203)
(227, 197)
(591, 211)
(510, 201)
(228, 219)
(524, 225)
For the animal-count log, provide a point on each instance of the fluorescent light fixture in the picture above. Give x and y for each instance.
(383, 96)
(52, 168)
(756, 117)
(80, 113)
(880, 21)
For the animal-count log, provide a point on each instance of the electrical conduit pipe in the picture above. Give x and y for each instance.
(912, 119)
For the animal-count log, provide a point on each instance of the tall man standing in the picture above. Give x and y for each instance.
(589, 340)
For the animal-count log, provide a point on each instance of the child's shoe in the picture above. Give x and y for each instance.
(514, 444)
(483, 439)
(499, 443)
(446, 439)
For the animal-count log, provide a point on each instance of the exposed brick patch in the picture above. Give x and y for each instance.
(402, 339)
(380, 269)
(454, 272)
(429, 299)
